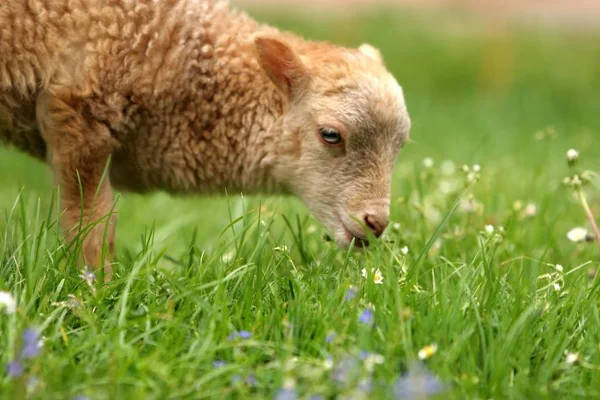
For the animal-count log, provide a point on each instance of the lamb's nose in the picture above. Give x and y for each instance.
(376, 223)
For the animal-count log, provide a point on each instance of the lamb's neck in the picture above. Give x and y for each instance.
(260, 158)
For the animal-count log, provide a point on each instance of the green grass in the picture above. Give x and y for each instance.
(192, 271)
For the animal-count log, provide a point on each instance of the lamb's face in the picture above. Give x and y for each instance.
(345, 125)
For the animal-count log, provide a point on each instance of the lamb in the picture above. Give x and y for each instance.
(194, 96)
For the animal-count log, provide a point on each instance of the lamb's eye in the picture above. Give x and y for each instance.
(330, 136)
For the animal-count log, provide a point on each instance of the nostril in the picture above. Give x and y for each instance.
(374, 225)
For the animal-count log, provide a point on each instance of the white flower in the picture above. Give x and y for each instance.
(427, 351)
(372, 360)
(396, 226)
(572, 155)
(572, 358)
(477, 168)
(447, 187)
(556, 286)
(448, 168)
(559, 268)
(530, 210)
(577, 235)
(428, 162)
(404, 250)
(489, 229)
(8, 303)
(378, 277)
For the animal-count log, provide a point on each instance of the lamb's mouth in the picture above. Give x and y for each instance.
(359, 242)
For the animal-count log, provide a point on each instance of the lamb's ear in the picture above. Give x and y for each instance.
(371, 52)
(281, 63)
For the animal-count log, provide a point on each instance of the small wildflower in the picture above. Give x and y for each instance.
(31, 344)
(476, 168)
(239, 335)
(7, 303)
(556, 287)
(418, 384)
(228, 256)
(345, 370)
(427, 351)
(404, 250)
(251, 380)
(489, 229)
(219, 364)
(367, 317)
(572, 358)
(472, 177)
(281, 249)
(448, 168)
(245, 334)
(428, 162)
(396, 226)
(577, 235)
(559, 268)
(531, 210)
(365, 385)
(88, 276)
(371, 359)
(287, 392)
(14, 369)
(81, 397)
(350, 294)
(572, 155)
(328, 364)
(330, 337)
(378, 277)
(517, 205)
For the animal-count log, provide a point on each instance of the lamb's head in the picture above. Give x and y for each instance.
(344, 124)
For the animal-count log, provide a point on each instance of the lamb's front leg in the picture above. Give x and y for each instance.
(79, 148)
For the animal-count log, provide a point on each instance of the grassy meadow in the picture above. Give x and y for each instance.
(238, 297)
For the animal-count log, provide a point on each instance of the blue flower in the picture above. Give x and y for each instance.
(245, 334)
(239, 335)
(219, 364)
(14, 369)
(236, 379)
(363, 355)
(350, 294)
(286, 394)
(251, 380)
(31, 344)
(316, 397)
(366, 385)
(330, 337)
(88, 276)
(80, 397)
(367, 317)
(418, 383)
(346, 371)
